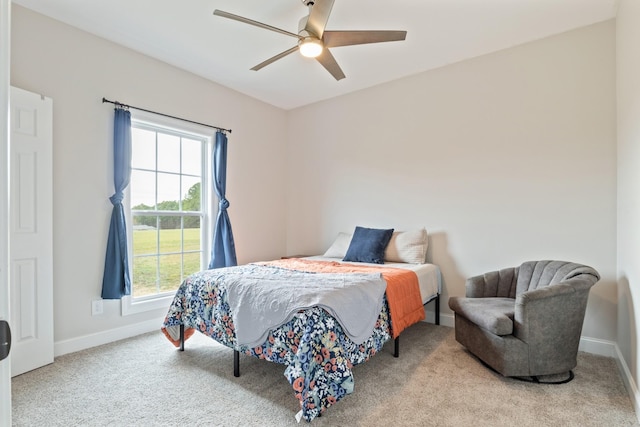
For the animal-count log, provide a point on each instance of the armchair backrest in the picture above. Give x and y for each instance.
(537, 274)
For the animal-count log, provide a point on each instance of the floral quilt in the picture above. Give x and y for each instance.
(317, 354)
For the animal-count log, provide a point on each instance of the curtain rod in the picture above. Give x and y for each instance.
(116, 103)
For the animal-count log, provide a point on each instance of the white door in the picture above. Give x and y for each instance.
(5, 365)
(31, 230)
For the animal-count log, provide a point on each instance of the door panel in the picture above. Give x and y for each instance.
(31, 231)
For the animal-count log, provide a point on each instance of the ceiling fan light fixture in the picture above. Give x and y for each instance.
(311, 47)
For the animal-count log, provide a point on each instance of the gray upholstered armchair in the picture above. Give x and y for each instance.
(525, 321)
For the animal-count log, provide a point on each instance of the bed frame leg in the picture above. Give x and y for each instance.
(236, 363)
(396, 349)
(182, 337)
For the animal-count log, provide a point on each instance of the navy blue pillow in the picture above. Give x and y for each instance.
(368, 245)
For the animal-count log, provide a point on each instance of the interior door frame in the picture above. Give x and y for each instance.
(5, 58)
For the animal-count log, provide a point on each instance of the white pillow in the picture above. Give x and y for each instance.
(407, 246)
(338, 248)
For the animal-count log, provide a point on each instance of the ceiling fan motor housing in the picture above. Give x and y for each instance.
(302, 24)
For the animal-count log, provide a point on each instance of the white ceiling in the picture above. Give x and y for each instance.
(439, 32)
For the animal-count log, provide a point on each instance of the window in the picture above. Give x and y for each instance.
(169, 211)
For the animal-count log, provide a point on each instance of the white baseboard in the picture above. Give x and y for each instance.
(447, 320)
(587, 344)
(106, 337)
(628, 381)
(597, 346)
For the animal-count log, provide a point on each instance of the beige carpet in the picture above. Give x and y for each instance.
(145, 381)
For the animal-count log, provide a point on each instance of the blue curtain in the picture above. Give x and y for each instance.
(223, 251)
(115, 281)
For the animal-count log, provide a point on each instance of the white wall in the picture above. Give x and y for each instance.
(628, 113)
(77, 69)
(504, 158)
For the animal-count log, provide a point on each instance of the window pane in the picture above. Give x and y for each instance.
(170, 272)
(145, 237)
(170, 234)
(143, 190)
(191, 157)
(191, 263)
(168, 153)
(191, 191)
(168, 192)
(145, 273)
(191, 233)
(143, 152)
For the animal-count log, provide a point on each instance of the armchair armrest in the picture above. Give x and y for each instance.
(500, 284)
(551, 313)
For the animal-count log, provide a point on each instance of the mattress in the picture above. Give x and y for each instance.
(429, 277)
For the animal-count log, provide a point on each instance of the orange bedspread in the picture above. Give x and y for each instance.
(403, 291)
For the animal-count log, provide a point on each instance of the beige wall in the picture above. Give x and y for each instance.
(628, 113)
(76, 70)
(503, 158)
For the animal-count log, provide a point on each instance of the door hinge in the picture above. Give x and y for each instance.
(5, 339)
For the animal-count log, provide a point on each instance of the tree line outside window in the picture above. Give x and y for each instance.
(190, 203)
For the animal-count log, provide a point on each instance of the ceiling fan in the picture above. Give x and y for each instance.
(314, 41)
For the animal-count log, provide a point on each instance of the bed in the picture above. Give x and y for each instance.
(317, 344)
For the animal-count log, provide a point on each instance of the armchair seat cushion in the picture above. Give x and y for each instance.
(494, 315)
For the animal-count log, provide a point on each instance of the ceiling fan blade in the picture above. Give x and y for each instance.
(349, 38)
(329, 62)
(318, 17)
(224, 14)
(275, 58)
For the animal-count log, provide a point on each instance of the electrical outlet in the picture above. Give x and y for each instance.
(96, 307)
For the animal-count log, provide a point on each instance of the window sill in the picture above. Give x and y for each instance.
(130, 306)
